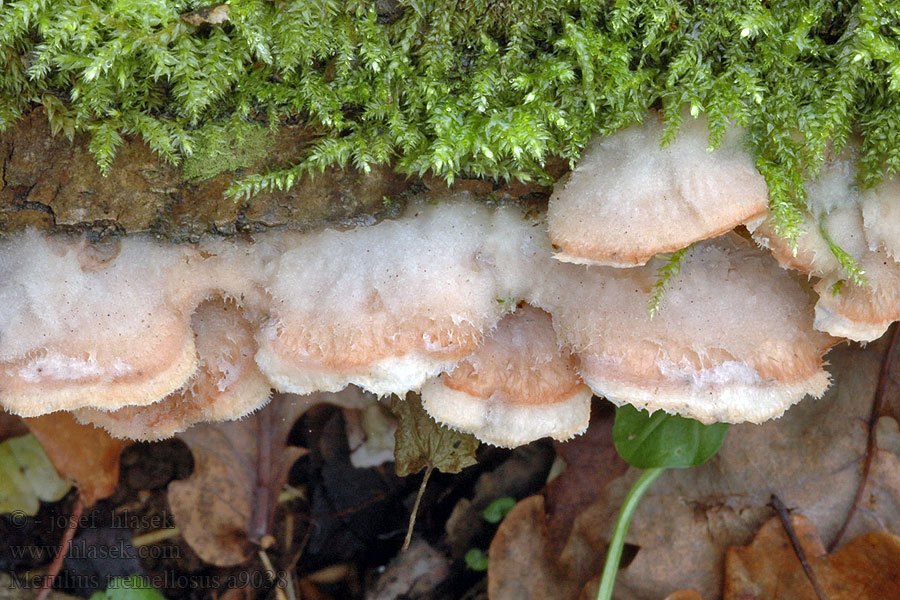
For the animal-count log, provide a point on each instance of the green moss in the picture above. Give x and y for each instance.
(664, 274)
(221, 149)
(475, 87)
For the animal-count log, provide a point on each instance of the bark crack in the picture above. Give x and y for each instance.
(6, 161)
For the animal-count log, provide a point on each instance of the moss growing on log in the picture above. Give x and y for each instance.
(219, 149)
(463, 87)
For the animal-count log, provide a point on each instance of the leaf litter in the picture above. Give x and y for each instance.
(811, 458)
(225, 510)
(682, 532)
(83, 453)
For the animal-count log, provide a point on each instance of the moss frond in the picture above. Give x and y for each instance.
(849, 265)
(665, 274)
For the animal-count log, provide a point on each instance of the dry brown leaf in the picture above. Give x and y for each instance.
(592, 462)
(211, 15)
(521, 563)
(414, 573)
(684, 595)
(867, 568)
(811, 458)
(83, 453)
(226, 506)
(11, 426)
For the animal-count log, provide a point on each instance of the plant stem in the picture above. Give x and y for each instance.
(412, 517)
(617, 543)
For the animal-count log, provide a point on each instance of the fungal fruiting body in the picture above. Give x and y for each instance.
(628, 199)
(518, 386)
(155, 337)
(88, 325)
(860, 225)
(226, 385)
(383, 307)
(733, 339)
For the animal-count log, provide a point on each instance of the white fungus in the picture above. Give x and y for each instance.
(85, 327)
(865, 225)
(628, 199)
(390, 307)
(227, 384)
(517, 387)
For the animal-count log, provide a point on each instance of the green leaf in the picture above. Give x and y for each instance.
(476, 559)
(133, 587)
(420, 442)
(647, 440)
(498, 509)
(27, 476)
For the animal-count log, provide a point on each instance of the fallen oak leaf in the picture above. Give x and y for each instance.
(522, 563)
(225, 508)
(866, 568)
(83, 453)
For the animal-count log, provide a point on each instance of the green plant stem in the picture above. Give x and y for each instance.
(617, 543)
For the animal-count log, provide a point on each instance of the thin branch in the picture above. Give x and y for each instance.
(785, 517)
(877, 408)
(56, 565)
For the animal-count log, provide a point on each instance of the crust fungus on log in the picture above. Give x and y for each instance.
(85, 325)
(384, 307)
(388, 307)
(628, 199)
(517, 387)
(733, 340)
(227, 385)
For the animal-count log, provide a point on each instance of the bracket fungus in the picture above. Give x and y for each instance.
(227, 384)
(518, 386)
(628, 199)
(82, 325)
(733, 340)
(845, 225)
(149, 338)
(384, 307)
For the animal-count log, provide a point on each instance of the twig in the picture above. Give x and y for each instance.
(56, 565)
(785, 517)
(261, 511)
(877, 407)
(412, 517)
(273, 576)
(154, 537)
